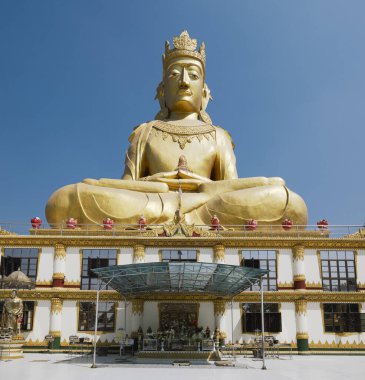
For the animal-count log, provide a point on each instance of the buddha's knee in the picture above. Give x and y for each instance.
(296, 209)
(63, 204)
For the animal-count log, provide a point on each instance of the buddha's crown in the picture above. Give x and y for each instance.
(184, 46)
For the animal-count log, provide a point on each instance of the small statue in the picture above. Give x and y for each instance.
(207, 332)
(12, 313)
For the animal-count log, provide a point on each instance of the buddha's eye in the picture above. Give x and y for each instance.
(194, 75)
(174, 73)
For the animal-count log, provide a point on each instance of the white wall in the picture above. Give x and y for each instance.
(285, 266)
(312, 269)
(126, 256)
(231, 256)
(361, 266)
(73, 265)
(40, 323)
(45, 265)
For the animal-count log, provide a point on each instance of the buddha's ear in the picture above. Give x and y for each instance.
(206, 97)
(205, 100)
(160, 96)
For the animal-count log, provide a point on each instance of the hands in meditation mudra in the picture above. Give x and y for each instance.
(180, 149)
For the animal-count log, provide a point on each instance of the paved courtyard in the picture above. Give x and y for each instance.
(60, 366)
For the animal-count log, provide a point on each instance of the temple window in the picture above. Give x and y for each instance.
(25, 259)
(95, 258)
(106, 316)
(173, 255)
(343, 317)
(263, 259)
(338, 271)
(251, 317)
(28, 315)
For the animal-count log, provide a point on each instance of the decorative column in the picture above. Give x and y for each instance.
(137, 313)
(219, 253)
(298, 267)
(59, 266)
(138, 254)
(301, 321)
(56, 321)
(219, 317)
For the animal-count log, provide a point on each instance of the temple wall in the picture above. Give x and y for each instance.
(45, 265)
(70, 319)
(312, 268)
(206, 255)
(361, 267)
(41, 322)
(152, 255)
(126, 256)
(231, 256)
(206, 315)
(285, 266)
(73, 265)
(317, 336)
(150, 316)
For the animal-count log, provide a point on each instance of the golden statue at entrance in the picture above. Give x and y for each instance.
(180, 149)
(12, 313)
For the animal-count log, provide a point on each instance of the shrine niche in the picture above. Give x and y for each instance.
(181, 317)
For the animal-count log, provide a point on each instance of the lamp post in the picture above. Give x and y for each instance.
(262, 323)
(96, 320)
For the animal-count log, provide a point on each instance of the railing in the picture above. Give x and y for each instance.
(118, 230)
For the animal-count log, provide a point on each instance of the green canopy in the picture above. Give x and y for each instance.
(220, 280)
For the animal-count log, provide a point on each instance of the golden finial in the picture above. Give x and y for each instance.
(184, 42)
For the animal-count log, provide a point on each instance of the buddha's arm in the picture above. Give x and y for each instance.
(220, 187)
(143, 186)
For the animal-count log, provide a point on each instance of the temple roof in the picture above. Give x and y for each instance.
(221, 280)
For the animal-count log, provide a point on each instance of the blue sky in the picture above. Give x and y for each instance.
(287, 78)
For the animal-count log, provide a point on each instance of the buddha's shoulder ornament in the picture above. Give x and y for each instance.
(183, 134)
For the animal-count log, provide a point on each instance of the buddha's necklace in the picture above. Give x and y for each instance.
(183, 134)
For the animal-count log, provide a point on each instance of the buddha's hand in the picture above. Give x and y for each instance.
(220, 187)
(184, 179)
(122, 184)
(177, 175)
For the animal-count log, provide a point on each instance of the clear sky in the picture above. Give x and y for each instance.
(287, 78)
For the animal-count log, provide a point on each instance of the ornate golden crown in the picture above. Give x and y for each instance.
(184, 46)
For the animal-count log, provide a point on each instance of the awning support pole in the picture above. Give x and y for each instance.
(262, 323)
(96, 320)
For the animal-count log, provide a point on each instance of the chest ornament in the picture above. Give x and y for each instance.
(183, 134)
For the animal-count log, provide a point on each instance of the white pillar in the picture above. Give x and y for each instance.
(219, 317)
(56, 317)
(137, 314)
(298, 267)
(138, 253)
(219, 253)
(301, 321)
(59, 265)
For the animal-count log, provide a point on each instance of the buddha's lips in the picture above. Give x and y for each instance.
(184, 91)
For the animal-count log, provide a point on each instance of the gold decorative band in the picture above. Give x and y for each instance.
(302, 335)
(298, 252)
(56, 305)
(58, 276)
(219, 307)
(301, 307)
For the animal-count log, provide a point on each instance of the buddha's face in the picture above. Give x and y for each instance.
(183, 85)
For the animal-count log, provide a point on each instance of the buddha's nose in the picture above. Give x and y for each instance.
(184, 78)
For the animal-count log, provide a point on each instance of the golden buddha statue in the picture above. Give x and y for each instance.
(180, 149)
(12, 313)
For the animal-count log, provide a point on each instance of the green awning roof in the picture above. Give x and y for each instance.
(179, 277)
